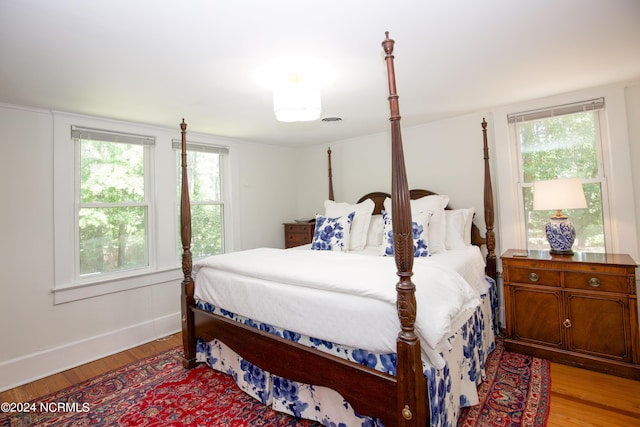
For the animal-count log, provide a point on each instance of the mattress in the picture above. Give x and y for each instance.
(317, 293)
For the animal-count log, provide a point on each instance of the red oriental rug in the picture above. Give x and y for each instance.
(158, 392)
(515, 393)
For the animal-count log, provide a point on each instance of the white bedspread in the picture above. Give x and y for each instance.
(340, 297)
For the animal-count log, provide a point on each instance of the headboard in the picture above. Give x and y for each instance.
(477, 239)
(379, 197)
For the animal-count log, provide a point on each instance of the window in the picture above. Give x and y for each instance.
(205, 164)
(114, 205)
(113, 201)
(563, 142)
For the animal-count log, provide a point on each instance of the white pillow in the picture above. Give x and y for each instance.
(468, 218)
(455, 229)
(376, 228)
(437, 223)
(360, 225)
(420, 231)
(459, 222)
(332, 234)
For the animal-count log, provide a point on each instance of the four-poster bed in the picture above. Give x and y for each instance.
(397, 387)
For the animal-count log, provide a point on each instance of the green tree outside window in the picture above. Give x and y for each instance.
(564, 146)
(205, 195)
(113, 212)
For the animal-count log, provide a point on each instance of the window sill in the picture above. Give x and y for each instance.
(111, 285)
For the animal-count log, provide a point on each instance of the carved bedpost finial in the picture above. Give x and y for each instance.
(185, 209)
(387, 44)
(411, 395)
(394, 107)
(331, 196)
(488, 208)
(187, 300)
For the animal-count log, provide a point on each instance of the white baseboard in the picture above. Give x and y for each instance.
(22, 370)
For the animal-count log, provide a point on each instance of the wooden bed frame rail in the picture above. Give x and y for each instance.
(400, 400)
(297, 362)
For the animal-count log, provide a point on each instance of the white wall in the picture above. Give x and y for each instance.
(446, 157)
(265, 185)
(632, 98)
(39, 337)
(362, 165)
(269, 185)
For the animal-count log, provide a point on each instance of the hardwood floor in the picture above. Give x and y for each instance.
(67, 378)
(585, 398)
(578, 397)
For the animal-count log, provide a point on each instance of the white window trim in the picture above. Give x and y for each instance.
(224, 184)
(164, 249)
(617, 168)
(148, 202)
(144, 277)
(68, 286)
(599, 109)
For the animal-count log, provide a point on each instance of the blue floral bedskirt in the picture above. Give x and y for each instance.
(450, 388)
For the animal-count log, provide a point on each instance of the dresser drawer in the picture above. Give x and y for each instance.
(297, 239)
(298, 234)
(594, 281)
(299, 229)
(534, 276)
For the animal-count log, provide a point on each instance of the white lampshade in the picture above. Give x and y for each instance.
(557, 194)
(296, 100)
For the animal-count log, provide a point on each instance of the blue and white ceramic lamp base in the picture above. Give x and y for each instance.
(560, 234)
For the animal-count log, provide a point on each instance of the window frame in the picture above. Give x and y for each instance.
(223, 159)
(148, 144)
(163, 267)
(598, 107)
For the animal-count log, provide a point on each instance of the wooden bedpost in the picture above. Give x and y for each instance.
(331, 197)
(188, 336)
(488, 208)
(412, 403)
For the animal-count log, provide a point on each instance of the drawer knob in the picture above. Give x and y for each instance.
(406, 413)
(533, 277)
(567, 323)
(594, 282)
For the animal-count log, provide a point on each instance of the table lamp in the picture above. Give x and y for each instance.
(558, 194)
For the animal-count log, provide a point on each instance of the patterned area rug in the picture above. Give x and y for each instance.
(516, 392)
(159, 392)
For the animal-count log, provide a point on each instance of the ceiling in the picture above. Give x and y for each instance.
(157, 62)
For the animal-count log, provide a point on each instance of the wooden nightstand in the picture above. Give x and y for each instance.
(296, 234)
(579, 310)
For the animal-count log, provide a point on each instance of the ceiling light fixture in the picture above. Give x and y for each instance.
(296, 84)
(296, 99)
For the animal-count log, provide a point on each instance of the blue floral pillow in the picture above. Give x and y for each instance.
(332, 234)
(420, 230)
